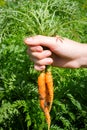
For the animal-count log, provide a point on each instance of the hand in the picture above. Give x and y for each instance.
(59, 52)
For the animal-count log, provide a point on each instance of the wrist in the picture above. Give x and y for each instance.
(83, 57)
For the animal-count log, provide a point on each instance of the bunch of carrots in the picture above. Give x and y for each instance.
(45, 90)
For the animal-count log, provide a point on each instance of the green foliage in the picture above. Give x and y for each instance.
(19, 105)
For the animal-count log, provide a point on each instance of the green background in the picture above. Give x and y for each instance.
(19, 104)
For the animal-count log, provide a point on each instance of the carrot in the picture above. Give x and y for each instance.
(45, 90)
(42, 89)
(42, 97)
(49, 89)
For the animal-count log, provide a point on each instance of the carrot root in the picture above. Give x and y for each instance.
(45, 90)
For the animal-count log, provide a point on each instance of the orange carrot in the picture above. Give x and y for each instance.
(42, 89)
(49, 89)
(45, 90)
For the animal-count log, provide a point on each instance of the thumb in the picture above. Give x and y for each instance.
(50, 42)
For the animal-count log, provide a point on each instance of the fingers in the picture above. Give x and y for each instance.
(40, 57)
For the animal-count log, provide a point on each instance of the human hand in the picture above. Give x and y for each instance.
(59, 52)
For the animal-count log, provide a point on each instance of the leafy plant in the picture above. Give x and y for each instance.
(19, 105)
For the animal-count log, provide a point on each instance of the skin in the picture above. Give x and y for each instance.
(59, 52)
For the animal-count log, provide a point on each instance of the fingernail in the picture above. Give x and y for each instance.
(48, 53)
(50, 61)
